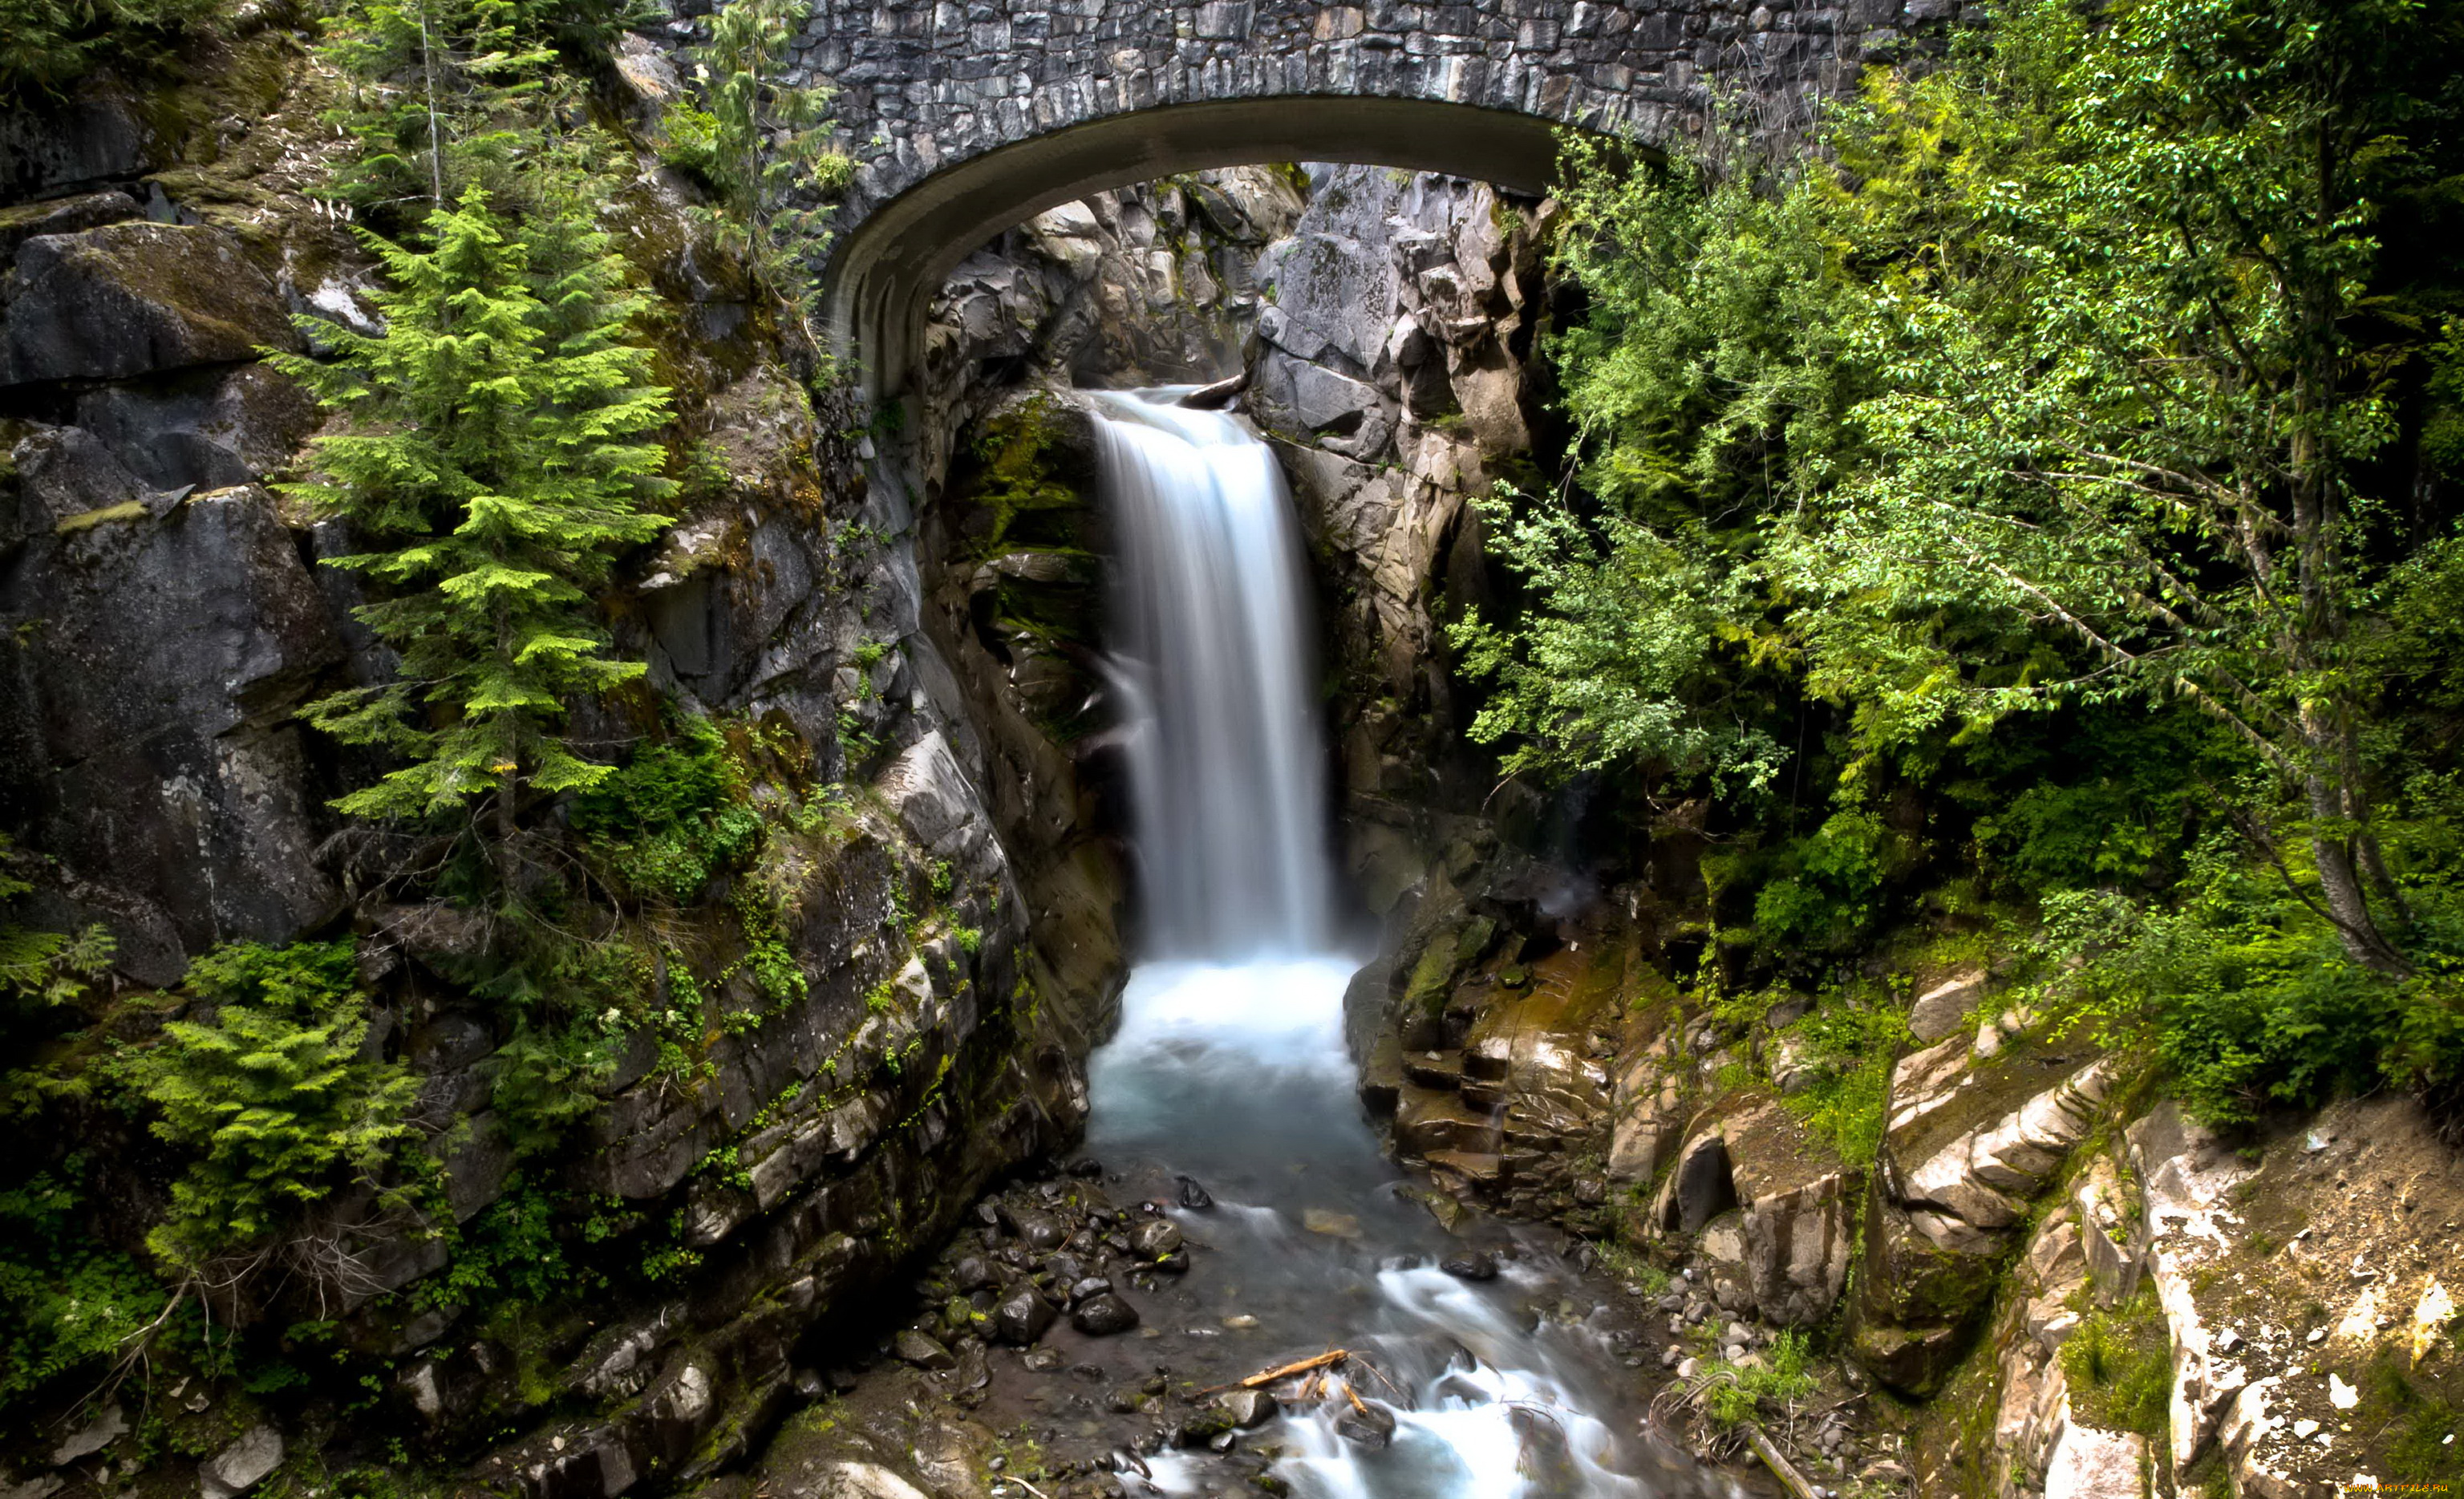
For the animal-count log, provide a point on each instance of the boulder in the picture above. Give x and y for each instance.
(95, 135)
(2089, 1464)
(209, 428)
(1103, 1315)
(922, 1351)
(1769, 1202)
(24, 221)
(136, 299)
(152, 743)
(1022, 1317)
(1942, 1009)
(242, 1466)
(1248, 1407)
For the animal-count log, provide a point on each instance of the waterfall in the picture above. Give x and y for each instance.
(1230, 1070)
(1225, 762)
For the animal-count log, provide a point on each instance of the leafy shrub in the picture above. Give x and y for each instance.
(1853, 1047)
(2246, 997)
(270, 1094)
(65, 1301)
(1829, 892)
(1737, 1395)
(674, 818)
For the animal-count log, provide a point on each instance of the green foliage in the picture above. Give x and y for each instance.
(269, 1096)
(673, 818)
(1737, 1394)
(2247, 996)
(40, 974)
(1822, 894)
(496, 465)
(2039, 488)
(2416, 1425)
(509, 1253)
(46, 45)
(544, 1078)
(442, 95)
(2119, 1367)
(762, 144)
(1850, 1046)
(66, 1301)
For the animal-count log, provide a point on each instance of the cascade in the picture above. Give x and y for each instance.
(1230, 1067)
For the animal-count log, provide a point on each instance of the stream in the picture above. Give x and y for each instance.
(1477, 1370)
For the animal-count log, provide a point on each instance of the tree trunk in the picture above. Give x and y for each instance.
(2348, 906)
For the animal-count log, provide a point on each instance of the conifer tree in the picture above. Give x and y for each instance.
(493, 465)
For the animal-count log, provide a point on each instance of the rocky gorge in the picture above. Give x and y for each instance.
(841, 1232)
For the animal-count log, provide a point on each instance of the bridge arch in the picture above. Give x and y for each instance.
(966, 117)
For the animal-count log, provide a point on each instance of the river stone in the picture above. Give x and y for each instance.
(1195, 1196)
(1367, 1424)
(1090, 1287)
(1476, 1265)
(1040, 1230)
(973, 1272)
(1156, 1238)
(1023, 1316)
(134, 298)
(921, 1350)
(1248, 1407)
(1104, 1314)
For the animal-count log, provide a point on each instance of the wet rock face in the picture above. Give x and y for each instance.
(151, 742)
(1389, 371)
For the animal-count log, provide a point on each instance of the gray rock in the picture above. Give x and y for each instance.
(1156, 1238)
(1941, 1009)
(153, 737)
(134, 298)
(210, 429)
(1040, 1231)
(1368, 1423)
(108, 1427)
(922, 1351)
(63, 216)
(1248, 1407)
(1295, 394)
(242, 1466)
(973, 1272)
(48, 143)
(1476, 1265)
(1022, 1317)
(1104, 1314)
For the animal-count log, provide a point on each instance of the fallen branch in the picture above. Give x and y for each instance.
(1781, 1467)
(1267, 1377)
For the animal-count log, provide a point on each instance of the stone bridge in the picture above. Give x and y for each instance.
(966, 117)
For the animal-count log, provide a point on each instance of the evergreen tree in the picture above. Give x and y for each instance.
(494, 465)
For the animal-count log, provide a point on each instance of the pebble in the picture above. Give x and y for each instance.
(1194, 1197)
